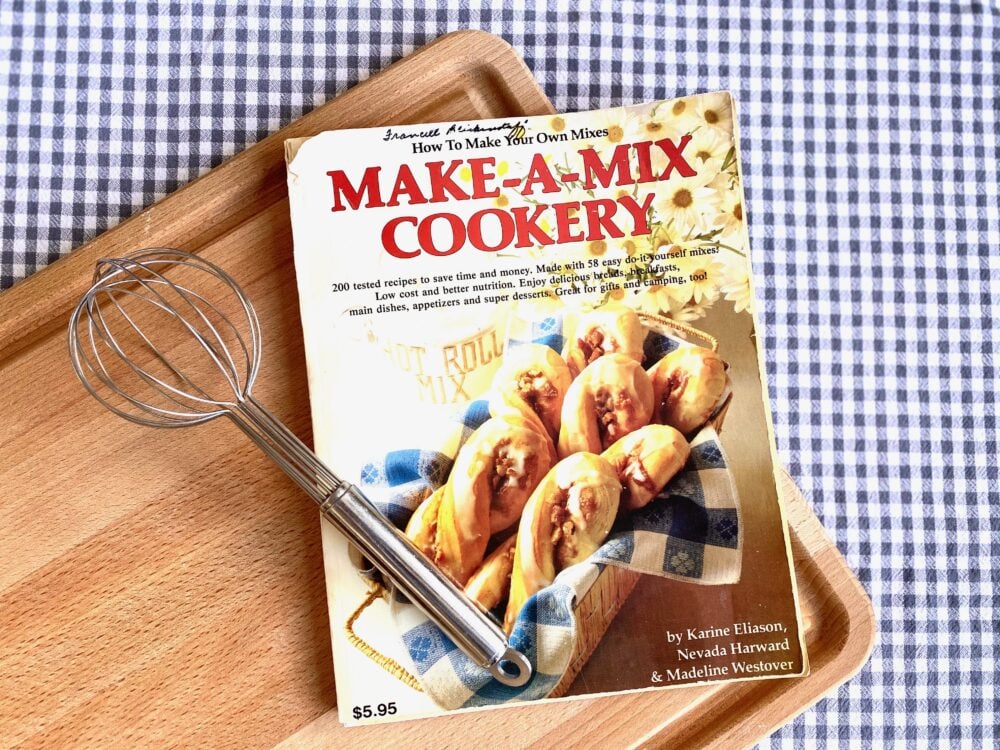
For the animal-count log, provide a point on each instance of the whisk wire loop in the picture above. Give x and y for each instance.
(106, 340)
(114, 350)
(217, 350)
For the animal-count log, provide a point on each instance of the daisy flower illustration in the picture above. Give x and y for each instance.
(716, 112)
(652, 128)
(688, 312)
(632, 246)
(615, 121)
(707, 149)
(654, 299)
(734, 280)
(687, 201)
(703, 281)
(681, 112)
(730, 216)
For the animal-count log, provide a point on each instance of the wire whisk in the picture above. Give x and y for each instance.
(166, 338)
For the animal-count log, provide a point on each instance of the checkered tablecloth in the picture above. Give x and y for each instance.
(871, 160)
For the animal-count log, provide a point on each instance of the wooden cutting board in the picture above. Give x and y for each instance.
(166, 586)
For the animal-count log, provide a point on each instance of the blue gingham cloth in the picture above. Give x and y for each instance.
(868, 136)
(690, 532)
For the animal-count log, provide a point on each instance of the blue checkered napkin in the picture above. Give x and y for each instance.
(690, 532)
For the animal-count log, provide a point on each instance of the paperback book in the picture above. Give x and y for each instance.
(531, 342)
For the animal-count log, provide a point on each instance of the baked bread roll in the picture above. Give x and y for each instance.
(422, 526)
(607, 330)
(490, 585)
(494, 474)
(611, 398)
(687, 386)
(645, 461)
(532, 381)
(567, 518)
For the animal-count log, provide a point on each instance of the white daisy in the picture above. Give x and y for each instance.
(632, 246)
(730, 216)
(734, 280)
(686, 202)
(650, 127)
(681, 113)
(715, 111)
(707, 150)
(615, 121)
(690, 312)
(654, 300)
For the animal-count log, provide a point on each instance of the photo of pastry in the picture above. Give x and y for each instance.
(561, 476)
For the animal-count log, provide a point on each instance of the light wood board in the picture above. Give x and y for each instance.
(164, 587)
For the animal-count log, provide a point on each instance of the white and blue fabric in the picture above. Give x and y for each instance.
(869, 147)
(690, 532)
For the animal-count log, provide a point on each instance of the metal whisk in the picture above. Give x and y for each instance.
(158, 352)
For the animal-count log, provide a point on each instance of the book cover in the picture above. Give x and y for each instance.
(531, 342)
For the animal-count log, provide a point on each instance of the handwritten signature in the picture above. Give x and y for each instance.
(515, 130)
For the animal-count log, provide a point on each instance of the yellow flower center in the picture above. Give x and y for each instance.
(502, 201)
(597, 247)
(683, 198)
(711, 116)
(703, 155)
(678, 109)
(630, 247)
(653, 127)
(615, 133)
(738, 211)
(558, 124)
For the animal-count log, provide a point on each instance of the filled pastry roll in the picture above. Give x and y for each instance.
(567, 518)
(422, 526)
(607, 330)
(611, 398)
(494, 474)
(645, 461)
(532, 381)
(687, 386)
(490, 585)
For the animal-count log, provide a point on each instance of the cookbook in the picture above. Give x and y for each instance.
(532, 343)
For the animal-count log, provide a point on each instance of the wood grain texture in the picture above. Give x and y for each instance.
(165, 588)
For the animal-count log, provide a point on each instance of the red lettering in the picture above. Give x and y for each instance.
(599, 213)
(476, 229)
(480, 177)
(595, 173)
(442, 182)
(638, 211)
(528, 231)
(344, 190)
(425, 234)
(567, 216)
(389, 237)
(676, 160)
(644, 161)
(538, 172)
(406, 184)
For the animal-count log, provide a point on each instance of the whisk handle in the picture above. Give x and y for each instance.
(423, 584)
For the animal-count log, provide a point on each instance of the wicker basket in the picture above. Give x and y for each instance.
(600, 605)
